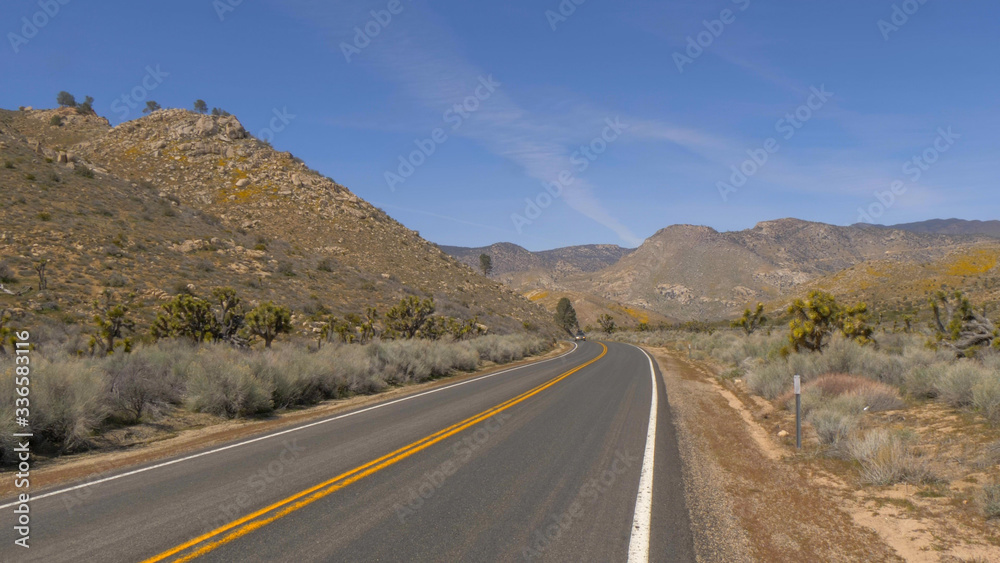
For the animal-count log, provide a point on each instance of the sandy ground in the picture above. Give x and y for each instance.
(753, 497)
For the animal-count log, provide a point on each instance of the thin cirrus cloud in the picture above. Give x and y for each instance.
(421, 57)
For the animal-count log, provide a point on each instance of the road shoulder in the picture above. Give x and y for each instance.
(748, 501)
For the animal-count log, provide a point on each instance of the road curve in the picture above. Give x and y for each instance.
(541, 463)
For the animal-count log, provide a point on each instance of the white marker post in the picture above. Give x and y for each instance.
(798, 412)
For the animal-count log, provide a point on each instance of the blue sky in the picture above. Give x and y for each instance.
(693, 91)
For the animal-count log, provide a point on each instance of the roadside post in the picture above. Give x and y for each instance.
(689, 351)
(798, 412)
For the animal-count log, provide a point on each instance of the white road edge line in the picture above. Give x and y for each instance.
(638, 543)
(286, 431)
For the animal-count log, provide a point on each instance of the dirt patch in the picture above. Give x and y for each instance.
(780, 504)
(184, 432)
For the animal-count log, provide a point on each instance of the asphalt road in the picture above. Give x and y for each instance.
(538, 463)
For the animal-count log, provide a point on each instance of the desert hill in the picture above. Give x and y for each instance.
(952, 227)
(178, 201)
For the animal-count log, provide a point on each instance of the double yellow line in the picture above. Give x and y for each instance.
(243, 526)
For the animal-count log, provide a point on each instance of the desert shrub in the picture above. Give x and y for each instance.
(68, 398)
(771, 380)
(221, 383)
(138, 385)
(7, 273)
(862, 394)
(833, 425)
(955, 388)
(921, 381)
(82, 170)
(986, 397)
(116, 280)
(504, 349)
(991, 500)
(404, 361)
(8, 424)
(359, 368)
(325, 265)
(886, 458)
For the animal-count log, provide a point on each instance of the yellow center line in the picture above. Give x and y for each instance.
(329, 486)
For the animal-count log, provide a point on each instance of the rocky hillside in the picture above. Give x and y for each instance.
(178, 201)
(953, 227)
(510, 259)
(697, 273)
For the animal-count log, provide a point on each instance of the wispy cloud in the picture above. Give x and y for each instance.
(419, 55)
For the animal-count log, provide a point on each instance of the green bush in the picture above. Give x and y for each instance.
(886, 458)
(955, 388)
(833, 425)
(138, 385)
(68, 402)
(221, 383)
(986, 397)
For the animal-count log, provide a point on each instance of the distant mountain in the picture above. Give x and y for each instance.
(509, 258)
(689, 272)
(953, 227)
(696, 273)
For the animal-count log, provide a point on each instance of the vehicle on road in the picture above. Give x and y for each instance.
(580, 336)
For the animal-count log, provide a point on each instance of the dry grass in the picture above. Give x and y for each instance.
(74, 398)
(886, 458)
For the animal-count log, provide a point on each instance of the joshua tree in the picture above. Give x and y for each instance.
(186, 316)
(409, 316)
(486, 264)
(112, 318)
(607, 323)
(813, 320)
(268, 320)
(959, 326)
(39, 267)
(230, 316)
(751, 320)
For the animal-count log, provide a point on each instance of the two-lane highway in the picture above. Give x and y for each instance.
(543, 462)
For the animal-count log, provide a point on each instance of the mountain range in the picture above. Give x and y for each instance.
(689, 272)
